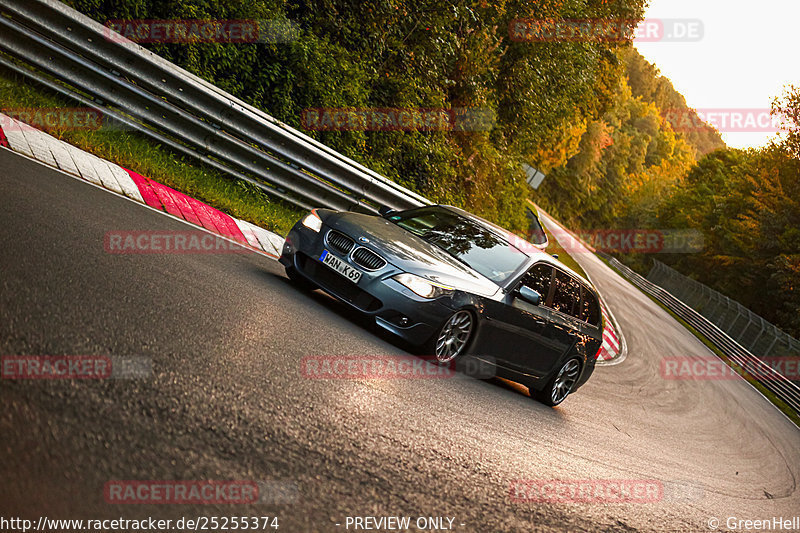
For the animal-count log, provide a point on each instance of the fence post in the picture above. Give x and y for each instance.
(761, 332)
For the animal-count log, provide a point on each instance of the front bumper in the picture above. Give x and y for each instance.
(395, 307)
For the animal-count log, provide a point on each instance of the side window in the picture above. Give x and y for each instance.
(590, 308)
(567, 297)
(538, 278)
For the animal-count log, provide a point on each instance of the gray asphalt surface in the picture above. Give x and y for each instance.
(227, 400)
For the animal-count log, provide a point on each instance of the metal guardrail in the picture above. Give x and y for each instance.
(68, 52)
(747, 328)
(56, 46)
(785, 389)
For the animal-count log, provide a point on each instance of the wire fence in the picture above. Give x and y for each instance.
(760, 337)
(787, 390)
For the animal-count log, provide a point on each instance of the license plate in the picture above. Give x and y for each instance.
(340, 266)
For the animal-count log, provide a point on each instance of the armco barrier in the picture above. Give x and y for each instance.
(55, 45)
(744, 326)
(785, 389)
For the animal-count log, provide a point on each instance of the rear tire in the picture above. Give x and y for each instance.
(560, 385)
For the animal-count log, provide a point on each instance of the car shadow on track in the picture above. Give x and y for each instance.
(367, 324)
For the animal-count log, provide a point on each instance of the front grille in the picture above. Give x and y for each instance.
(337, 285)
(367, 259)
(340, 242)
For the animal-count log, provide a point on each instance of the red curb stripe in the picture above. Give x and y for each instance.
(185, 207)
(192, 210)
(162, 191)
(225, 224)
(233, 229)
(3, 140)
(200, 209)
(145, 189)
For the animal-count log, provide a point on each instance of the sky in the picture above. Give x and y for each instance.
(738, 56)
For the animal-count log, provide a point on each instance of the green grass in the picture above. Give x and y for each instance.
(140, 154)
(788, 411)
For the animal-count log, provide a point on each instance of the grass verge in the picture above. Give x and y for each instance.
(140, 154)
(785, 409)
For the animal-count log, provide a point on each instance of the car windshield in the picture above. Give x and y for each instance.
(471, 243)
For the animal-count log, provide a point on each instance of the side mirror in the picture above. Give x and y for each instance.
(385, 211)
(529, 295)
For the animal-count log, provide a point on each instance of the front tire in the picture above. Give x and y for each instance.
(560, 385)
(453, 338)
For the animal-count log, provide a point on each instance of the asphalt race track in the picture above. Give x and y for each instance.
(226, 399)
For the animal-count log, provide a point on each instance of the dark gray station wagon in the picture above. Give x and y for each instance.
(456, 286)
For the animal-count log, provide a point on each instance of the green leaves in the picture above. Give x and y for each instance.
(404, 54)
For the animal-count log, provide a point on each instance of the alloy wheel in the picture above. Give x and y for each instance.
(565, 380)
(454, 336)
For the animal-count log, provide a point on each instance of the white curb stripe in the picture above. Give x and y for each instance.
(105, 174)
(247, 230)
(267, 241)
(63, 158)
(611, 341)
(275, 240)
(84, 165)
(16, 139)
(38, 142)
(125, 181)
(264, 237)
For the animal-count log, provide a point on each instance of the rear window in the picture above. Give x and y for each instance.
(590, 308)
(536, 233)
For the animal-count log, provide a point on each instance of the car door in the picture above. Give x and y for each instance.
(518, 336)
(563, 328)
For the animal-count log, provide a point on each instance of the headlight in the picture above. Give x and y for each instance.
(423, 287)
(312, 221)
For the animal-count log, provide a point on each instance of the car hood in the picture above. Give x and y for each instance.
(410, 253)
